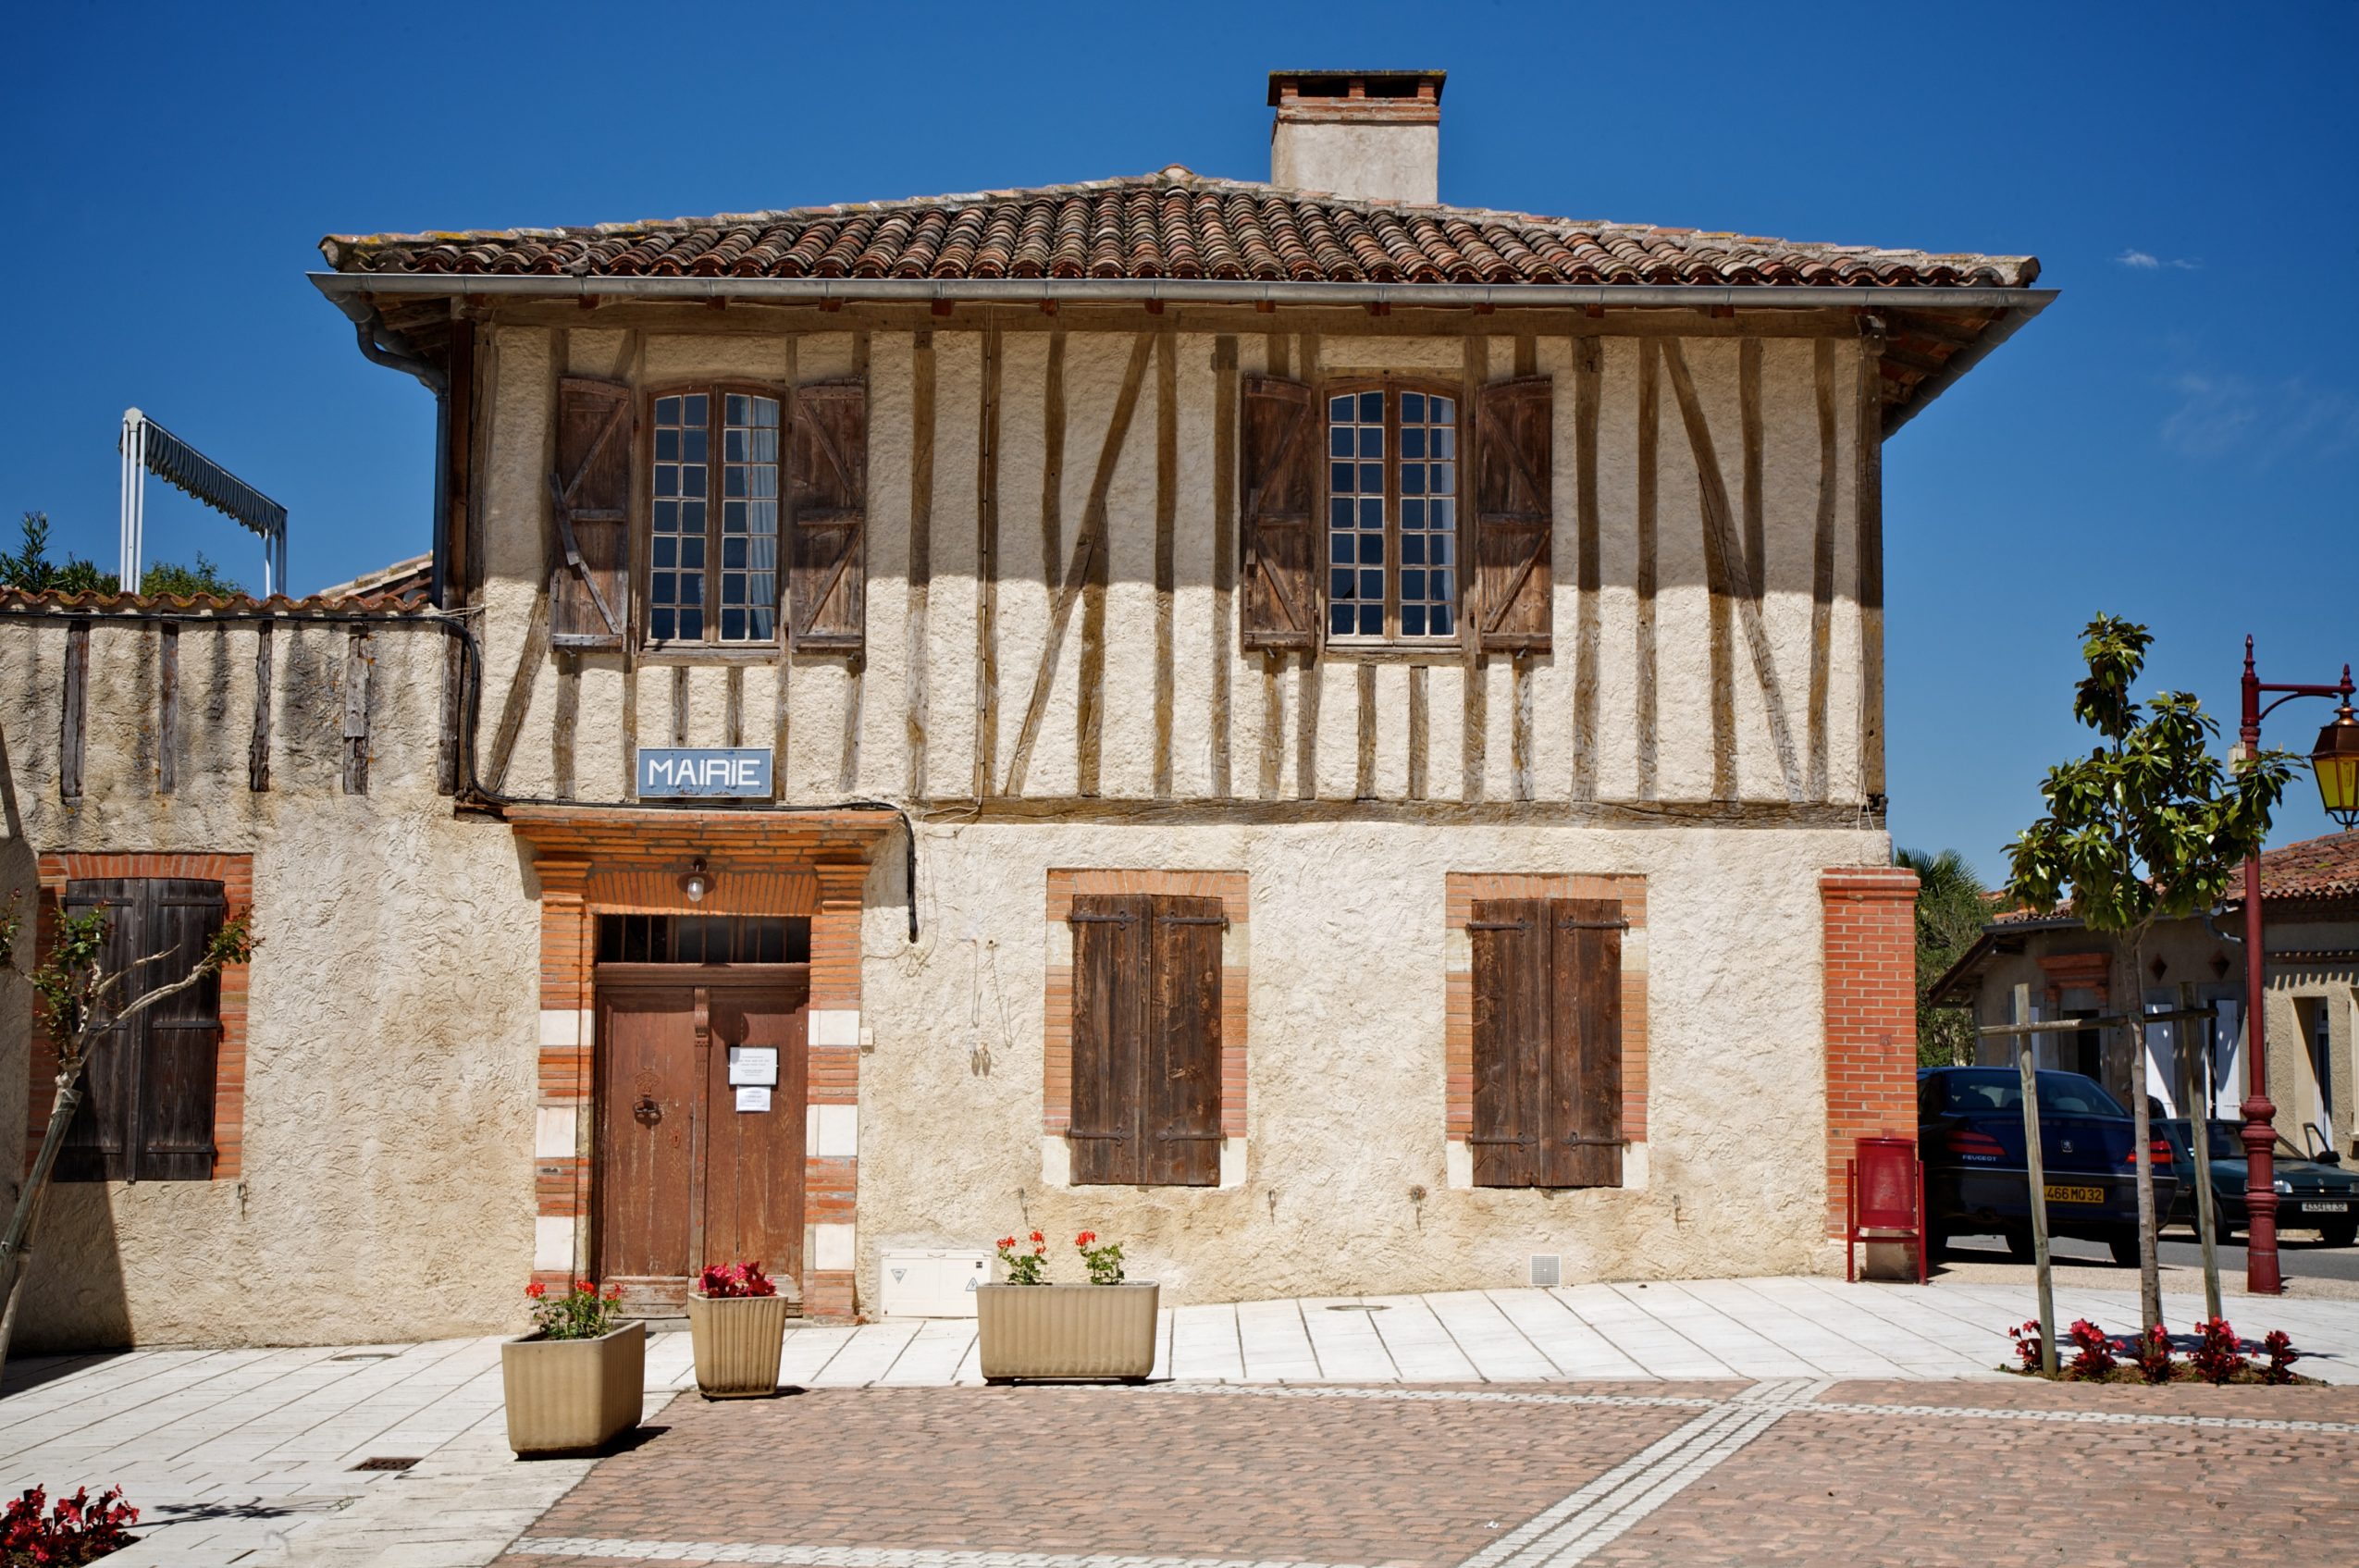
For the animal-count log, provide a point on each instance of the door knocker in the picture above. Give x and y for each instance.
(647, 1113)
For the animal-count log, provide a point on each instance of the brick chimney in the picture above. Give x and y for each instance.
(1376, 135)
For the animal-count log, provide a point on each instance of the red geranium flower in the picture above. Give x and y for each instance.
(1007, 1243)
(536, 1290)
(1085, 1238)
(1038, 1237)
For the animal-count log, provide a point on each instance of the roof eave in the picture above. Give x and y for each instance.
(2012, 306)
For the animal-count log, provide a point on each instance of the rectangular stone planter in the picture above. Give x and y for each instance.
(737, 1340)
(571, 1396)
(1066, 1331)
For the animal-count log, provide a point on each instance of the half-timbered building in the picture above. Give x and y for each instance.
(1333, 737)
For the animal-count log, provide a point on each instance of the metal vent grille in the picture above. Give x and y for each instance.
(1547, 1268)
(385, 1462)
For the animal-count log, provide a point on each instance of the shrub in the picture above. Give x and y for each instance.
(2220, 1355)
(2027, 1344)
(1104, 1262)
(1025, 1269)
(2152, 1353)
(580, 1314)
(78, 1529)
(732, 1279)
(2282, 1355)
(2092, 1355)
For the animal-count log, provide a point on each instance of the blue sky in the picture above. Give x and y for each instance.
(2176, 439)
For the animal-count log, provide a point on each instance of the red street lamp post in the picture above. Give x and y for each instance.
(2336, 762)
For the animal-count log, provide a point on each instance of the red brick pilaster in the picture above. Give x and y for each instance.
(561, 1176)
(831, 1170)
(1871, 967)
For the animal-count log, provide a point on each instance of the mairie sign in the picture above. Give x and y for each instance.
(704, 771)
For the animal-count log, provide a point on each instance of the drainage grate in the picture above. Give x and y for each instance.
(365, 1355)
(1358, 1306)
(384, 1462)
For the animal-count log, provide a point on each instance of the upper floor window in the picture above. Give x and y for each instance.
(1392, 514)
(712, 527)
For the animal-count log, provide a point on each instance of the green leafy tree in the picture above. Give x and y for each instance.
(188, 581)
(2149, 827)
(1951, 912)
(29, 568)
(82, 998)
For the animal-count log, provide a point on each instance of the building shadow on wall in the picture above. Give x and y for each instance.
(74, 1298)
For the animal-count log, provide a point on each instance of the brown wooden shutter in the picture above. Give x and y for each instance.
(1111, 953)
(827, 448)
(1279, 601)
(1509, 938)
(147, 1113)
(1513, 585)
(1585, 1088)
(98, 1142)
(589, 577)
(1183, 1111)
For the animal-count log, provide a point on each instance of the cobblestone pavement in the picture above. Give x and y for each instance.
(247, 1456)
(1193, 1476)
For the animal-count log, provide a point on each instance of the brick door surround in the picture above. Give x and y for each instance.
(591, 861)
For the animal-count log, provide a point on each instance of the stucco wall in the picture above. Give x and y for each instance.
(387, 1187)
(1346, 1062)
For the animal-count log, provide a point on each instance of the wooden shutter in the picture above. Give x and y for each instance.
(827, 450)
(1548, 1041)
(147, 1113)
(1181, 1146)
(1513, 585)
(591, 504)
(1111, 951)
(99, 1140)
(1278, 558)
(1584, 1089)
(1509, 938)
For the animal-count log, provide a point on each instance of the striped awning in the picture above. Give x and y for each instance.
(189, 470)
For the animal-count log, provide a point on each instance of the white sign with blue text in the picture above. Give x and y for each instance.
(704, 771)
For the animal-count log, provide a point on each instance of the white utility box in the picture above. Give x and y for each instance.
(933, 1282)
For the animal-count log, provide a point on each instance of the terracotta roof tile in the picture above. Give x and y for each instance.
(1169, 224)
(404, 586)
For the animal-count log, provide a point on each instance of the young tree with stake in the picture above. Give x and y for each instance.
(2149, 827)
(80, 1000)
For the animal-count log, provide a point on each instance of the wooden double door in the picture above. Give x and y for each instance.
(692, 1168)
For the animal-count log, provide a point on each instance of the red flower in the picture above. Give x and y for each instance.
(536, 1290)
(1085, 1238)
(1007, 1243)
(1038, 1237)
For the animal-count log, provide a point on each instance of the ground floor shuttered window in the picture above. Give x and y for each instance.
(1146, 1040)
(147, 1111)
(1547, 1042)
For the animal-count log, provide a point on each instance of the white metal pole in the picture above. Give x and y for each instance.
(123, 503)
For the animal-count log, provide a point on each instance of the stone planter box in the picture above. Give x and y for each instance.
(1066, 1331)
(571, 1396)
(737, 1340)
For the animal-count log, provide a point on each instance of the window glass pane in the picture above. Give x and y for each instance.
(1427, 525)
(1355, 515)
(748, 470)
(676, 475)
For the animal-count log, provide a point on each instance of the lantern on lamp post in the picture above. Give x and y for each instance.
(2336, 762)
(2335, 759)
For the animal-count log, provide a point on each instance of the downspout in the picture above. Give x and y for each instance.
(381, 345)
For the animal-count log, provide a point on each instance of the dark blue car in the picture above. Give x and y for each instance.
(1970, 1131)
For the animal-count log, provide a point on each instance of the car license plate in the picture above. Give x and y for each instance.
(2325, 1208)
(2075, 1194)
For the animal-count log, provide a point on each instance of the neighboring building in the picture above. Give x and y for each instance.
(2310, 901)
(1335, 739)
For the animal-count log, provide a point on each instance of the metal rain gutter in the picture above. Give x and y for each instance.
(384, 346)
